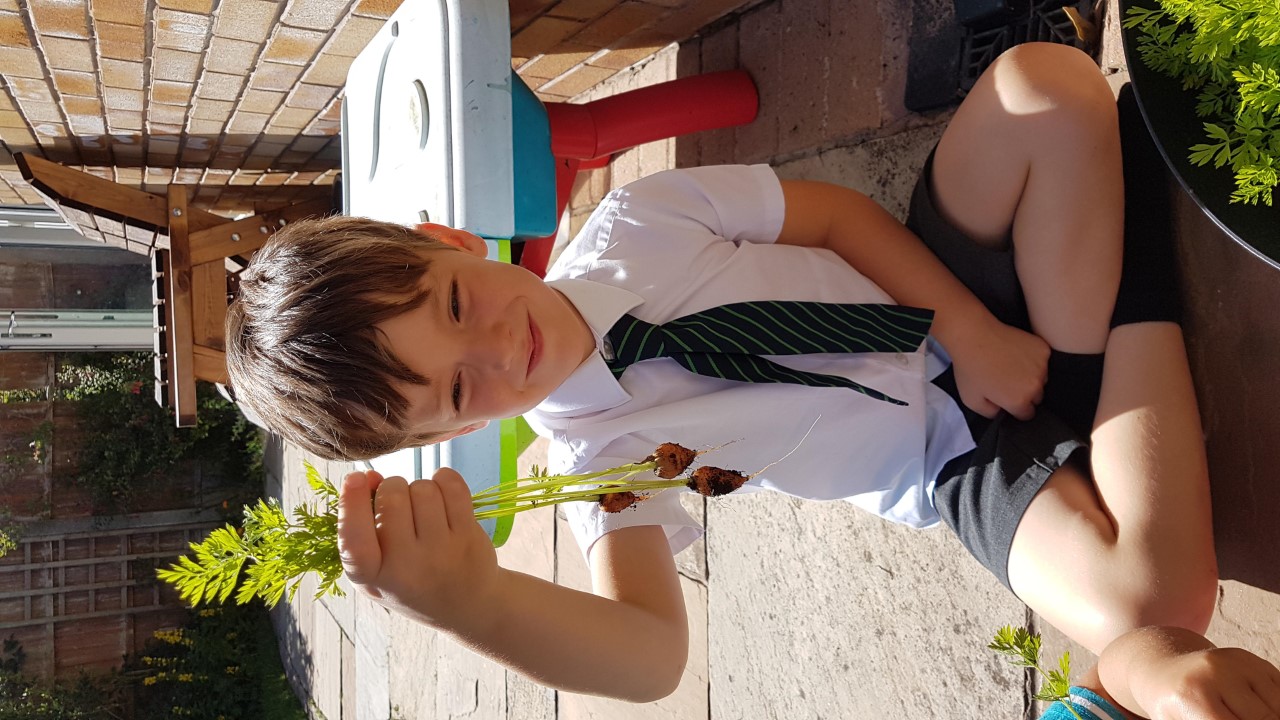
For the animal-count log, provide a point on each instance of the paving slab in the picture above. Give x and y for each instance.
(413, 667)
(326, 665)
(372, 672)
(883, 169)
(818, 610)
(467, 685)
(350, 685)
(690, 698)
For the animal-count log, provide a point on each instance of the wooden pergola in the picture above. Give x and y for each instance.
(196, 258)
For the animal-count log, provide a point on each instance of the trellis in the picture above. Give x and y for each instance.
(82, 598)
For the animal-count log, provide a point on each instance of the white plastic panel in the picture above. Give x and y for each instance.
(428, 118)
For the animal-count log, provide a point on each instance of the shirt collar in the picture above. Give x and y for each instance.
(592, 387)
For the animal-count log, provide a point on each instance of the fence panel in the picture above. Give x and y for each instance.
(80, 598)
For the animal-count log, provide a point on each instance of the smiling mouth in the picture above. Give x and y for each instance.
(535, 344)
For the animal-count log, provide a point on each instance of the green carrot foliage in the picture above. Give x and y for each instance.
(268, 556)
(1022, 649)
(1229, 54)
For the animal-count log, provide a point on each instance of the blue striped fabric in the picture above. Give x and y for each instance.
(1087, 704)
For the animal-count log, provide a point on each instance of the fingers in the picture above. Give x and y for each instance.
(429, 521)
(457, 499)
(392, 514)
(1265, 685)
(1247, 706)
(985, 408)
(358, 546)
(1022, 411)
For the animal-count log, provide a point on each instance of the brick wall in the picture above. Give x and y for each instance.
(562, 48)
(242, 97)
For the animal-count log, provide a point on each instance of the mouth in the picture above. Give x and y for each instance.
(535, 347)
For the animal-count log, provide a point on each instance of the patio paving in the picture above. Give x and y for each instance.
(802, 609)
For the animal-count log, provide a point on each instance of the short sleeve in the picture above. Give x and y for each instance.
(589, 522)
(740, 203)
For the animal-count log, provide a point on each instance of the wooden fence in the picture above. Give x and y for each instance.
(81, 593)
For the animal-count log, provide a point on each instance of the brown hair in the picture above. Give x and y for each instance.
(303, 350)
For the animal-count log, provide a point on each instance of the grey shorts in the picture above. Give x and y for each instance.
(983, 494)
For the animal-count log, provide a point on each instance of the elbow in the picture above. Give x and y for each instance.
(660, 684)
(661, 674)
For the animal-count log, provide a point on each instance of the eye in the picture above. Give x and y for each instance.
(457, 395)
(454, 307)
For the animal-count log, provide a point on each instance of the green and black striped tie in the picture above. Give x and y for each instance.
(727, 341)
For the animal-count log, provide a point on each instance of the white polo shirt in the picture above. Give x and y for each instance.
(682, 241)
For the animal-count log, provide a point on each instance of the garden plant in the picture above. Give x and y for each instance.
(1228, 53)
(269, 555)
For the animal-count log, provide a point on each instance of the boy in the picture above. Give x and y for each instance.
(355, 338)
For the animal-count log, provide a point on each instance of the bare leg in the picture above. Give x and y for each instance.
(1033, 157)
(1133, 547)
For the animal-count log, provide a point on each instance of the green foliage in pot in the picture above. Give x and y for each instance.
(1229, 54)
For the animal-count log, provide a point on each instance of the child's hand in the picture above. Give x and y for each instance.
(999, 367)
(416, 547)
(1212, 684)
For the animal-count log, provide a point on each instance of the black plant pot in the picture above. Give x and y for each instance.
(1230, 276)
(1170, 115)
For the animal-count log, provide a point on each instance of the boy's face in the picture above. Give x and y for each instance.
(492, 339)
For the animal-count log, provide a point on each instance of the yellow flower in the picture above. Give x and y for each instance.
(148, 680)
(184, 677)
(173, 637)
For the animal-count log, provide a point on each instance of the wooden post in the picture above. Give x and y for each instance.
(181, 349)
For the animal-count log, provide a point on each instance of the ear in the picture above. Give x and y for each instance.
(463, 431)
(460, 239)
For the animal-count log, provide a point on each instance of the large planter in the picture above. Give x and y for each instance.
(1170, 115)
(1229, 258)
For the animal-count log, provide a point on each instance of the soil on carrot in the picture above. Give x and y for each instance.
(714, 481)
(617, 502)
(672, 459)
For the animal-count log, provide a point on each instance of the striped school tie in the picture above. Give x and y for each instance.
(727, 341)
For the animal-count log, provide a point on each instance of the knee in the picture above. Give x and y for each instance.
(1187, 602)
(1054, 81)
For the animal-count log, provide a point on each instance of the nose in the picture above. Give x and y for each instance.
(495, 348)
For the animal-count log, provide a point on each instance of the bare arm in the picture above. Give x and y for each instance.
(1168, 672)
(630, 641)
(419, 551)
(997, 366)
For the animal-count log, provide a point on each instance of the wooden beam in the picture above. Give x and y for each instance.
(248, 234)
(209, 304)
(211, 364)
(96, 196)
(180, 303)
